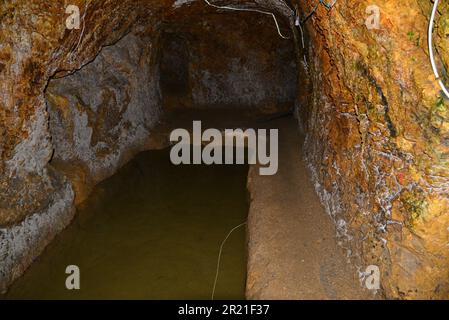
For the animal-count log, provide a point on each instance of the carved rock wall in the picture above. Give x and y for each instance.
(377, 140)
(101, 115)
(228, 59)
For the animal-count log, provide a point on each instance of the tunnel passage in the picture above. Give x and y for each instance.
(374, 120)
(104, 113)
(174, 80)
(227, 60)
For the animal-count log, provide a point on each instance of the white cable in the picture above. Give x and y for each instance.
(286, 5)
(251, 10)
(86, 6)
(302, 36)
(299, 24)
(219, 256)
(430, 41)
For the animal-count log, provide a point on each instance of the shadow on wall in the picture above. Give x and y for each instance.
(175, 71)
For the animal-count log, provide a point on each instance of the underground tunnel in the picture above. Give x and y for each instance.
(91, 95)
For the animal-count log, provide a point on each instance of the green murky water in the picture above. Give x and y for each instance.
(152, 231)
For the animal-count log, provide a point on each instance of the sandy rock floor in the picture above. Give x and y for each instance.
(293, 253)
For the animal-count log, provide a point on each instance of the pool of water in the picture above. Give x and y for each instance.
(152, 231)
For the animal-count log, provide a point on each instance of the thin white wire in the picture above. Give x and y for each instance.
(430, 41)
(219, 256)
(86, 6)
(302, 36)
(251, 10)
(306, 65)
(287, 6)
(299, 24)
